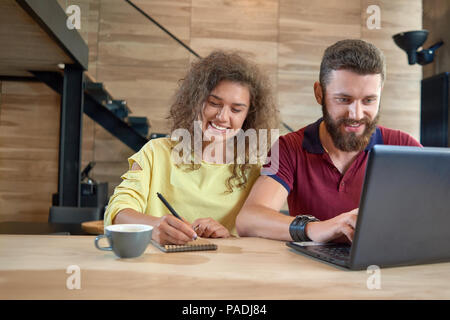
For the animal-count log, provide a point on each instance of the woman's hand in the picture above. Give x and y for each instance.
(210, 228)
(171, 230)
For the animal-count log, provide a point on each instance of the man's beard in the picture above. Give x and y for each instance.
(349, 141)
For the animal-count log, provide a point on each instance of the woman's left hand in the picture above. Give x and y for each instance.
(210, 228)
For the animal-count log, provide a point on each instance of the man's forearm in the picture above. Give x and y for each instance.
(260, 221)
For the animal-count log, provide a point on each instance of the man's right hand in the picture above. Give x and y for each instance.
(340, 228)
(171, 230)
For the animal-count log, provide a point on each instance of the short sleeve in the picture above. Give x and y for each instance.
(398, 138)
(132, 192)
(407, 140)
(280, 165)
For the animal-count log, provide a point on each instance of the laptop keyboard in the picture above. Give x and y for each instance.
(337, 252)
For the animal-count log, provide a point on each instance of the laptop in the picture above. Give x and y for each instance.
(404, 212)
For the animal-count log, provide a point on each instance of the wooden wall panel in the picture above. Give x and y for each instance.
(250, 20)
(248, 26)
(400, 106)
(127, 38)
(306, 28)
(174, 15)
(29, 142)
(400, 102)
(296, 100)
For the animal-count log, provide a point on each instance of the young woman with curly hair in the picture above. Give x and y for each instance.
(221, 97)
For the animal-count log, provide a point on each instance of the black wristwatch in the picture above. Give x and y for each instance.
(298, 226)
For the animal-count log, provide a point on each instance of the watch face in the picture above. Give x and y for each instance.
(311, 218)
(306, 217)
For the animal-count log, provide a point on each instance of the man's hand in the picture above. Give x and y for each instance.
(341, 228)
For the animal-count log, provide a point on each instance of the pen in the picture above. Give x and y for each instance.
(172, 210)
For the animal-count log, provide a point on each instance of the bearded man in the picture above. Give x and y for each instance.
(320, 168)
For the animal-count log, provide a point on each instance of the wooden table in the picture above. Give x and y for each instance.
(34, 267)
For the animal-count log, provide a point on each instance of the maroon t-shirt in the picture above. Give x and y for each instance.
(314, 184)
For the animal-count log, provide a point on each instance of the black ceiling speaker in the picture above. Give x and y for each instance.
(411, 41)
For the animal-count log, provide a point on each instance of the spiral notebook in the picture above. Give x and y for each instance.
(196, 245)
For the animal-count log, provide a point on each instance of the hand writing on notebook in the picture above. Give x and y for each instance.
(203, 227)
(210, 228)
(171, 230)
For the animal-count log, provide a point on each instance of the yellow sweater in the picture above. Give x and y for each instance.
(193, 194)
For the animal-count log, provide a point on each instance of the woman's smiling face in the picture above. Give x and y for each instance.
(225, 110)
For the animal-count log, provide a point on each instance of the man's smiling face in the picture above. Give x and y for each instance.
(350, 108)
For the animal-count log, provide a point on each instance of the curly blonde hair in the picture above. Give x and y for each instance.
(203, 76)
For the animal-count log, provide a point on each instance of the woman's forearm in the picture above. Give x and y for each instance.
(130, 216)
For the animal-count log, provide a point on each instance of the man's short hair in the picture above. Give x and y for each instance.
(354, 55)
